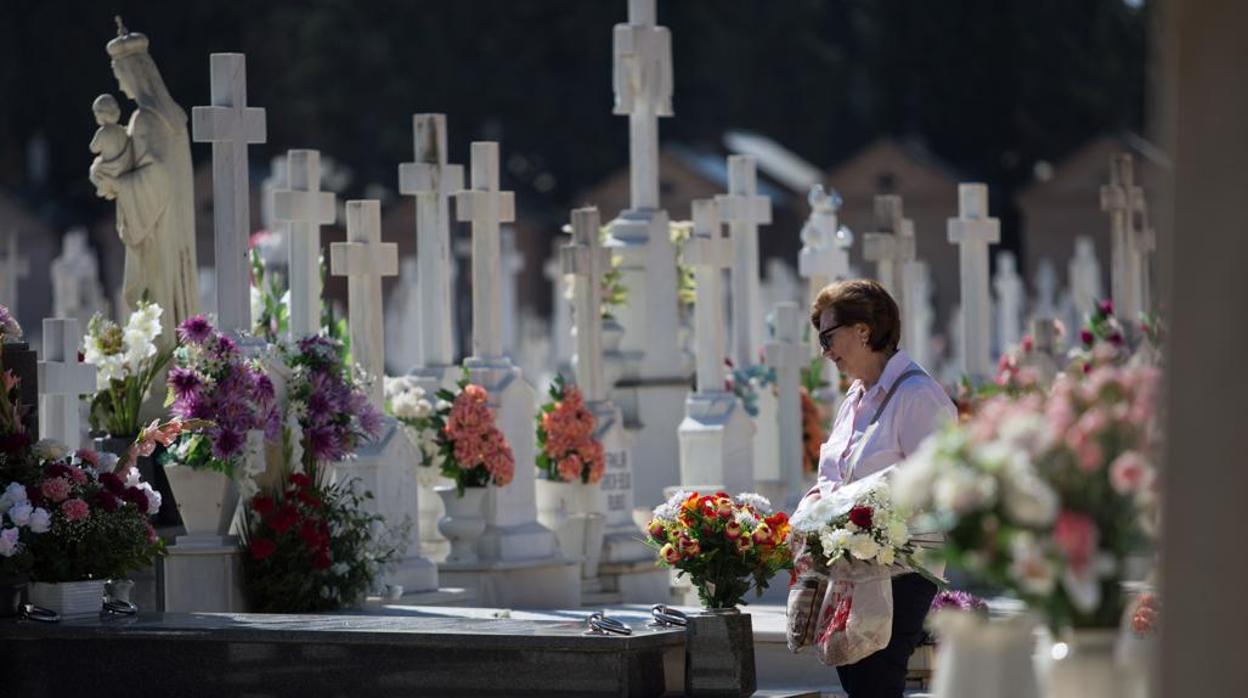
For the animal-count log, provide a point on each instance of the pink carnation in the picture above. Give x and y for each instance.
(78, 475)
(55, 488)
(570, 468)
(1128, 472)
(75, 509)
(1076, 536)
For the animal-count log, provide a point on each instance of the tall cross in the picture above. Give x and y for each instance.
(1121, 198)
(743, 209)
(1145, 238)
(824, 256)
(888, 246)
(305, 208)
(973, 231)
(486, 207)
(432, 180)
(588, 261)
(709, 253)
(364, 259)
(642, 78)
(16, 267)
(787, 356)
(62, 379)
(230, 125)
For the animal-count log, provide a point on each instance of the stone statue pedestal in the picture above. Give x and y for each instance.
(385, 467)
(716, 444)
(204, 574)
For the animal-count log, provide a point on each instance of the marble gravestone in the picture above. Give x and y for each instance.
(973, 231)
(76, 289)
(654, 375)
(716, 435)
(383, 466)
(402, 320)
(520, 563)
(1085, 277)
(1122, 199)
(1009, 302)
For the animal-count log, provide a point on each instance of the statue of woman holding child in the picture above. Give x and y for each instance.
(146, 169)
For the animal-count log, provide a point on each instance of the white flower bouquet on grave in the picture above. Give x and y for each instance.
(127, 361)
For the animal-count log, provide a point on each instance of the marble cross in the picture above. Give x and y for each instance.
(62, 379)
(230, 125)
(888, 246)
(14, 268)
(1121, 199)
(1010, 298)
(709, 253)
(432, 180)
(305, 208)
(511, 261)
(1085, 277)
(787, 355)
(588, 261)
(561, 313)
(364, 259)
(486, 206)
(823, 257)
(973, 231)
(642, 78)
(743, 209)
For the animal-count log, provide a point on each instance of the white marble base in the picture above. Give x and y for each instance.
(716, 444)
(550, 583)
(204, 573)
(767, 436)
(386, 467)
(651, 412)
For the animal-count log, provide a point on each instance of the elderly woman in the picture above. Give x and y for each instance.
(891, 406)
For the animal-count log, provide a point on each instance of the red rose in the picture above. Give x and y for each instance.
(136, 497)
(107, 501)
(310, 533)
(860, 516)
(261, 548)
(112, 482)
(285, 517)
(262, 504)
(309, 499)
(300, 480)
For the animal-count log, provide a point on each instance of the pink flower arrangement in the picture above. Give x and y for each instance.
(463, 439)
(568, 451)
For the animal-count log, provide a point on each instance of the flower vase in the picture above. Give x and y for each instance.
(207, 500)
(464, 521)
(69, 599)
(719, 653)
(151, 472)
(12, 594)
(1084, 665)
(575, 512)
(980, 657)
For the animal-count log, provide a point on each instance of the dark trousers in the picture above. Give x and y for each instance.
(883, 674)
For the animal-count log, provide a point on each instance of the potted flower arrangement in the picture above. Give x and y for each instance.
(1047, 497)
(459, 434)
(77, 520)
(570, 500)
(228, 396)
(309, 546)
(127, 361)
(333, 411)
(726, 545)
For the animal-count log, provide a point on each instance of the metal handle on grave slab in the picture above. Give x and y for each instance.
(665, 617)
(120, 608)
(602, 624)
(39, 614)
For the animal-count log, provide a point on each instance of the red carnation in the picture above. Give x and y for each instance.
(300, 480)
(285, 517)
(1086, 337)
(136, 497)
(112, 482)
(262, 504)
(107, 501)
(310, 533)
(861, 516)
(261, 548)
(309, 499)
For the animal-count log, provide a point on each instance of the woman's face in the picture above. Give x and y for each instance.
(844, 344)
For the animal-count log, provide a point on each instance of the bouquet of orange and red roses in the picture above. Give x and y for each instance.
(725, 544)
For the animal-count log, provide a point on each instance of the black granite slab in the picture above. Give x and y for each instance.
(261, 655)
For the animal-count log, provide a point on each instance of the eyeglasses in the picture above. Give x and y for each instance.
(825, 337)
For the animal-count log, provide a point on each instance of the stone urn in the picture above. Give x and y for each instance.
(1085, 665)
(207, 500)
(464, 521)
(719, 653)
(69, 599)
(981, 657)
(575, 511)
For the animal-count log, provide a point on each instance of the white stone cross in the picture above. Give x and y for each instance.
(511, 261)
(709, 253)
(1010, 297)
(642, 78)
(486, 206)
(743, 209)
(1046, 289)
(787, 356)
(888, 246)
(823, 258)
(973, 231)
(364, 259)
(1145, 238)
(62, 379)
(561, 312)
(1121, 198)
(1085, 277)
(432, 180)
(230, 125)
(305, 208)
(588, 261)
(15, 268)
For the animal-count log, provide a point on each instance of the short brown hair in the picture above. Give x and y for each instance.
(865, 301)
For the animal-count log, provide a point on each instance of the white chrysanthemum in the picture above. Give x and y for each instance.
(833, 541)
(50, 449)
(760, 503)
(897, 531)
(862, 546)
(746, 520)
(886, 556)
